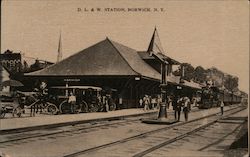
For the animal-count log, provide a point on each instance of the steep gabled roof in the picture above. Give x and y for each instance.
(155, 44)
(155, 50)
(104, 58)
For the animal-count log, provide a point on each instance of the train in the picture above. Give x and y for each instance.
(211, 97)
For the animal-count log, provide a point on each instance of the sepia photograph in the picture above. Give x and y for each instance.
(124, 78)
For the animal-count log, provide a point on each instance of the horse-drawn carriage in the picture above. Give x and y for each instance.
(88, 99)
(17, 104)
(56, 100)
(10, 105)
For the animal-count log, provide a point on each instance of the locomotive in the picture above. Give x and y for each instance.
(211, 97)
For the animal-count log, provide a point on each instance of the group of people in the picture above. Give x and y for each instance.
(181, 104)
(149, 102)
(102, 100)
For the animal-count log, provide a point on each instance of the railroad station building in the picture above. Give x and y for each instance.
(130, 74)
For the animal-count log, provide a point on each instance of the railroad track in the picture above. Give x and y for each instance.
(147, 142)
(211, 123)
(25, 135)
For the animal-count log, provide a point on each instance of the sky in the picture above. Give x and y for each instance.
(210, 33)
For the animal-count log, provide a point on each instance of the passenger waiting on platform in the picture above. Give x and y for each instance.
(140, 102)
(186, 107)
(174, 104)
(194, 100)
(159, 101)
(170, 101)
(178, 108)
(149, 102)
(99, 99)
(72, 102)
(107, 102)
(120, 103)
(153, 103)
(146, 102)
(221, 107)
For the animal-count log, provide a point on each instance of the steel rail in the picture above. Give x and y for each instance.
(182, 136)
(66, 131)
(71, 123)
(141, 135)
(73, 130)
(223, 137)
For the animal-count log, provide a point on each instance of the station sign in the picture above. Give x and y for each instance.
(72, 80)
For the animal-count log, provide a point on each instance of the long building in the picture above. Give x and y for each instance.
(111, 65)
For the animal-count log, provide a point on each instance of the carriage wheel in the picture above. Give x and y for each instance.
(17, 111)
(84, 107)
(112, 107)
(101, 107)
(2, 112)
(52, 109)
(93, 107)
(64, 107)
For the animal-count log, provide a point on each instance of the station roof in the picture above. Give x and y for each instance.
(146, 56)
(109, 58)
(104, 58)
(155, 50)
(192, 84)
(176, 81)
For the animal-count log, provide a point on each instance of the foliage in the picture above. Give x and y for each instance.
(188, 71)
(231, 83)
(199, 74)
(216, 76)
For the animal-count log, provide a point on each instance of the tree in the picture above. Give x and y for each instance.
(200, 74)
(231, 83)
(188, 71)
(216, 76)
